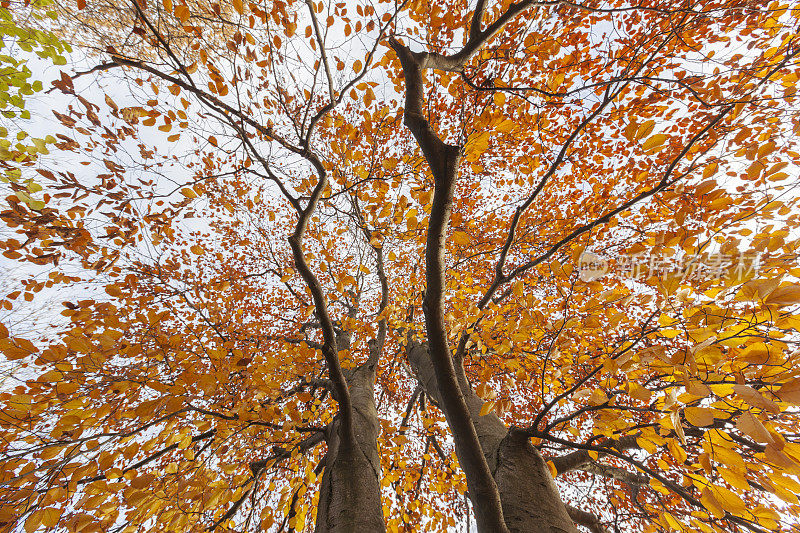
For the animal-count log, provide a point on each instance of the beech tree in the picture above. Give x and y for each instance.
(382, 265)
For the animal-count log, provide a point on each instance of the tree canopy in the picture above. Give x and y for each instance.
(403, 266)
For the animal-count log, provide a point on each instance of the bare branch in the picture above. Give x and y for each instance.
(321, 42)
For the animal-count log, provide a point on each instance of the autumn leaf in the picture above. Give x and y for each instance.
(699, 416)
(654, 142)
(784, 296)
(790, 391)
(751, 426)
(482, 249)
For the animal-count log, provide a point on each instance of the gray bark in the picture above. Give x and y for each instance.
(350, 492)
(528, 494)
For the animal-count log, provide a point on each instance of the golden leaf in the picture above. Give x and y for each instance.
(552, 467)
(783, 296)
(710, 502)
(755, 398)
(790, 391)
(645, 129)
(699, 416)
(188, 192)
(654, 142)
(751, 426)
(486, 408)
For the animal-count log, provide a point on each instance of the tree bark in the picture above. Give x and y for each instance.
(350, 492)
(443, 160)
(528, 494)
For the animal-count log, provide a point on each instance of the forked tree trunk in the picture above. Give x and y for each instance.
(350, 492)
(528, 494)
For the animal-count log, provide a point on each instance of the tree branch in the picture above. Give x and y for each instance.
(586, 519)
(579, 459)
(325, 66)
(443, 160)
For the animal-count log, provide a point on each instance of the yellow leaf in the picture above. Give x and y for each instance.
(238, 6)
(755, 398)
(484, 390)
(654, 142)
(182, 12)
(777, 457)
(113, 290)
(751, 426)
(487, 407)
(592, 322)
(699, 416)
(50, 517)
(734, 479)
(20, 402)
(16, 348)
(698, 388)
(670, 333)
(728, 500)
(640, 393)
(676, 425)
(758, 353)
(552, 468)
(710, 502)
(598, 397)
(185, 442)
(645, 129)
(460, 238)
(197, 249)
(188, 192)
(710, 170)
(369, 96)
(790, 391)
(33, 522)
(783, 296)
(705, 187)
(506, 126)
(143, 481)
(647, 444)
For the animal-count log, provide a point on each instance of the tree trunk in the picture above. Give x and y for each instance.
(528, 494)
(350, 492)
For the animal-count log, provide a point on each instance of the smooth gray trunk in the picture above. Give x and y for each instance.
(528, 494)
(350, 492)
